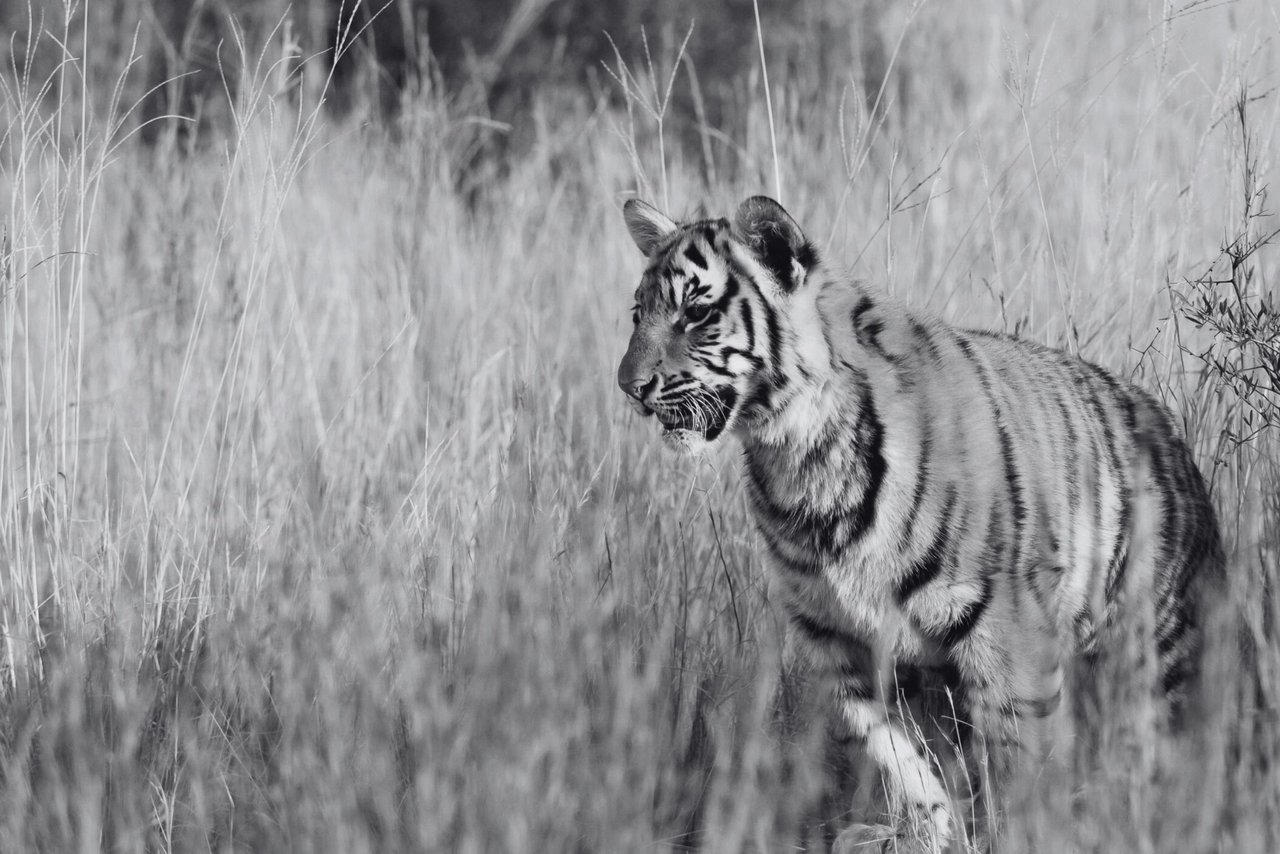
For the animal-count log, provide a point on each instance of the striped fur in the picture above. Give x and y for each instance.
(926, 494)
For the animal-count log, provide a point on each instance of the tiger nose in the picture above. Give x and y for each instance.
(639, 388)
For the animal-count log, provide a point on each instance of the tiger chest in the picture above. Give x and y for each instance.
(809, 520)
(817, 523)
(838, 597)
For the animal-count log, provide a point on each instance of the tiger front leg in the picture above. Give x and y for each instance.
(908, 774)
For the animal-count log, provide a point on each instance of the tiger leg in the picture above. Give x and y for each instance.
(1012, 737)
(848, 666)
(908, 774)
(997, 747)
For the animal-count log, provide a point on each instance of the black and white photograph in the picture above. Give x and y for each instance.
(628, 426)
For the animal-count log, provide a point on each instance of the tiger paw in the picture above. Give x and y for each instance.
(927, 828)
(866, 839)
(883, 839)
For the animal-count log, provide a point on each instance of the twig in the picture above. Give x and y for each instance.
(733, 596)
(768, 105)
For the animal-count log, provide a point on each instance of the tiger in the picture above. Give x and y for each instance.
(924, 494)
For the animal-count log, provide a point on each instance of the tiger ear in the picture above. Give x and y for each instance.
(647, 224)
(777, 241)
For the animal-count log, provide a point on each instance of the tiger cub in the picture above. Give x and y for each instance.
(927, 495)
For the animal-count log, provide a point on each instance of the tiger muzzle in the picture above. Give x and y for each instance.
(637, 374)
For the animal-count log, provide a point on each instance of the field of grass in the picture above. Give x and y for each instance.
(323, 526)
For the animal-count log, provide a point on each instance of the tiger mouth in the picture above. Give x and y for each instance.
(707, 416)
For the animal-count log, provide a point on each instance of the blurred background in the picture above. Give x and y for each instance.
(323, 526)
(504, 56)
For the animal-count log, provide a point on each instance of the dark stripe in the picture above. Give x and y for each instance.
(855, 660)
(872, 331)
(952, 561)
(1071, 465)
(1177, 673)
(1006, 450)
(816, 631)
(852, 687)
(828, 533)
(824, 534)
(922, 332)
(759, 398)
(1175, 628)
(775, 340)
(695, 256)
(929, 566)
(730, 291)
(857, 652)
(1100, 414)
(1165, 497)
(1118, 562)
(868, 333)
(799, 567)
(1178, 531)
(1012, 480)
(796, 525)
(1109, 455)
(965, 623)
(726, 397)
(922, 479)
(1082, 625)
(1041, 453)
(749, 325)
(872, 462)
(712, 367)
(1037, 708)
(855, 316)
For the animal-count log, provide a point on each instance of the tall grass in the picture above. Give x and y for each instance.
(324, 528)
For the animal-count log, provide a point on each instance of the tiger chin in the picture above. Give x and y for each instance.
(928, 497)
(684, 434)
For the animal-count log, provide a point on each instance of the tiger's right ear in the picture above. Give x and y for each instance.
(777, 241)
(647, 224)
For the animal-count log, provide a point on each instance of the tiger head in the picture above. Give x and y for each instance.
(710, 317)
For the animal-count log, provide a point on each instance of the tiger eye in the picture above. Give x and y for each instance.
(696, 313)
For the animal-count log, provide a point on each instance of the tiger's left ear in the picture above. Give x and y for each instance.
(778, 243)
